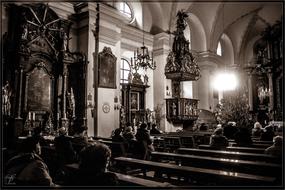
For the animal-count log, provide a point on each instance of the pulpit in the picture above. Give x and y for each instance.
(181, 66)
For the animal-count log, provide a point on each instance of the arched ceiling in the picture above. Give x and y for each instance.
(240, 21)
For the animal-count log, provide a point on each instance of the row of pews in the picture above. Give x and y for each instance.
(182, 165)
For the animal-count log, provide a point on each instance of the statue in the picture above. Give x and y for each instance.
(6, 95)
(173, 108)
(145, 79)
(71, 103)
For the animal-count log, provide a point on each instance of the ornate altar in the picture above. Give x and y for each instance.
(181, 66)
(49, 81)
(133, 99)
(266, 74)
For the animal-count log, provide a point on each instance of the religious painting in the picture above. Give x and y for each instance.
(135, 101)
(39, 89)
(107, 68)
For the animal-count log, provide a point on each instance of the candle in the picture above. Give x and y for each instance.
(64, 115)
(29, 116)
(34, 116)
(57, 116)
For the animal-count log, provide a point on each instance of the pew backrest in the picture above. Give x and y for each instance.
(230, 155)
(201, 174)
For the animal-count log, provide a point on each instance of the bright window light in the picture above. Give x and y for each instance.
(219, 49)
(125, 9)
(225, 81)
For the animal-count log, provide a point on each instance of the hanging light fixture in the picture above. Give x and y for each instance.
(142, 59)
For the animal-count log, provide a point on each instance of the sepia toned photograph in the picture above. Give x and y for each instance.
(139, 94)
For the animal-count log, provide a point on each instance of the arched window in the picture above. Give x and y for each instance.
(125, 70)
(126, 10)
(219, 49)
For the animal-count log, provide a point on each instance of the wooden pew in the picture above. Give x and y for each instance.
(235, 149)
(117, 148)
(102, 138)
(127, 180)
(124, 180)
(254, 141)
(201, 175)
(230, 155)
(251, 167)
(254, 145)
(171, 143)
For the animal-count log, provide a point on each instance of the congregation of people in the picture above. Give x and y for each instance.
(93, 157)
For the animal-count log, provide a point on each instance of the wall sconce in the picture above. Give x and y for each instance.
(117, 106)
(89, 101)
(167, 91)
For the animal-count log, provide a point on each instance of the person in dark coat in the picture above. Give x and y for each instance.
(94, 161)
(80, 139)
(243, 137)
(64, 149)
(230, 130)
(154, 130)
(144, 143)
(218, 140)
(267, 134)
(118, 137)
(28, 168)
(276, 148)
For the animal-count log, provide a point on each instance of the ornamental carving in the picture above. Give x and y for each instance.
(181, 65)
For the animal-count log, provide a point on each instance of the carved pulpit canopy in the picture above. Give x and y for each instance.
(181, 65)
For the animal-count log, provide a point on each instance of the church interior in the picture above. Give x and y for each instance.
(149, 94)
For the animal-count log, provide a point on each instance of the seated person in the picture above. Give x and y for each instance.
(230, 129)
(128, 134)
(203, 127)
(217, 140)
(257, 130)
(64, 149)
(94, 161)
(80, 139)
(28, 168)
(154, 130)
(243, 137)
(276, 148)
(118, 137)
(144, 145)
(267, 134)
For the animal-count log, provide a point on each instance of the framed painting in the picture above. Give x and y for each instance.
(107, 68)
(135, 101)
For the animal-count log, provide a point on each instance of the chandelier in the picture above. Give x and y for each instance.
(263, 93)
(142, 59)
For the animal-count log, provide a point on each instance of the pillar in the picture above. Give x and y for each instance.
(250, 93)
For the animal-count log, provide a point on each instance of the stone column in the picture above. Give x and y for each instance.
(250, 93)
(161, 50)
(20, 94)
